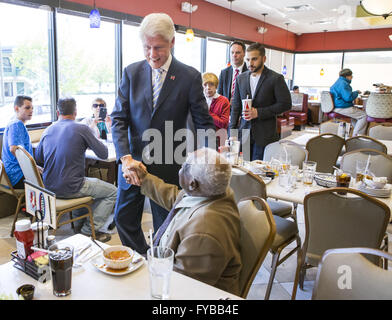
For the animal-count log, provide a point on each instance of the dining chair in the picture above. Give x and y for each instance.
(328, 107)
(346, 274)
(325, 149)
(364, 142)
(63, 206)
(380, 164)
(19, 194)
(381, 131)
(257, 234)
(246, 184)
(333, 220)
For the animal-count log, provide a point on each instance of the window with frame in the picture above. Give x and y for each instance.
(316, 72)
(86, 62)
(188, 52)
(132, 47)
(25, 58)
(369, 68)
(217, 58)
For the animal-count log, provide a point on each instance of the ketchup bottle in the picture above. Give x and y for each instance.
(24, 236)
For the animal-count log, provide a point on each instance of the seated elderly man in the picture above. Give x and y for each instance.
(203, 226)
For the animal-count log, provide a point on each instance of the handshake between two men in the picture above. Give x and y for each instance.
(133, 171)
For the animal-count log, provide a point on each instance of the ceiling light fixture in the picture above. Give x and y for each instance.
(231, 4)
(322, 69)
(264, 28)
(377, 7)
(190, 35)
(284, 70)
(95, 18)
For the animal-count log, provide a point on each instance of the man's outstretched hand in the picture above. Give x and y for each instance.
(133, 171)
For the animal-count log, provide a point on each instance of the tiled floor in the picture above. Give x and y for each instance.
(284, 277)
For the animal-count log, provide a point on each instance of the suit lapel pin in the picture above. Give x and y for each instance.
(172, 77)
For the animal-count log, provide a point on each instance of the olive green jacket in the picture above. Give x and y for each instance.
(207, 244)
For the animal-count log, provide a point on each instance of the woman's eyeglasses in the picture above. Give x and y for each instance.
(96, 105)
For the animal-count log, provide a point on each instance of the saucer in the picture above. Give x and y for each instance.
(98, 263)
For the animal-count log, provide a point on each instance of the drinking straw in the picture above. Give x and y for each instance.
(40, 249)
(151, 244)
(285, 151)
(367, 164)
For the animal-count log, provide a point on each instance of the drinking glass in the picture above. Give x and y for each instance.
(343, 180)
(360, 171)
(309, 169)
(61, 261)
(160, 267)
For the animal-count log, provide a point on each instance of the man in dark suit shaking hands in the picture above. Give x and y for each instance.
(155, 96)
(270, 97)
(229, 75)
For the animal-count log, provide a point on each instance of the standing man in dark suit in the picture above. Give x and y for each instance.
(229, 75)
(155, 97)
(270, 97)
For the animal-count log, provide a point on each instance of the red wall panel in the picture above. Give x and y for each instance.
(208, 17)
(345, 40)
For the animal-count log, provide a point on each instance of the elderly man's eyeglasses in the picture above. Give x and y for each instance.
(96, 105)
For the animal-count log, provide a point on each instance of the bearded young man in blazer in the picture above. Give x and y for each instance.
(156, 94)
(270, 97)
(228, 76)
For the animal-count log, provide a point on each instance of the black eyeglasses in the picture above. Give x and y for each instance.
(96, 105)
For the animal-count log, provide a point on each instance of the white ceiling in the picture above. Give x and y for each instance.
(330, 15)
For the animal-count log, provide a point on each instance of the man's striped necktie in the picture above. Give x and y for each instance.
(157, 85)
(237, 71)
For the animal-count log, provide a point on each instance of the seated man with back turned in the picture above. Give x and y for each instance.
(203, 226)
(62, 151)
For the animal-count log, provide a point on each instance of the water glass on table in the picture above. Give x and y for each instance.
(61, 261)
(160, 266)
(360, 171)
(309, 170)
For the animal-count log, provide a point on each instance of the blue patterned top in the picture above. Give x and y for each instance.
(14, 134)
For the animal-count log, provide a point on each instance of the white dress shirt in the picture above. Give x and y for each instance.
(253, 83)
(209, 100)
(165, 69)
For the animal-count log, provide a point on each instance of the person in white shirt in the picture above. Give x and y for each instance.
(100, 122)
(218, 106)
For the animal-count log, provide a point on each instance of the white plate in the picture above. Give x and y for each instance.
(378, 193)
(98, 263)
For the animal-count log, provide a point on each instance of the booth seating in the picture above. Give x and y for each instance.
(328, 107)
(285, 126)
(298, 110)
(379, 108)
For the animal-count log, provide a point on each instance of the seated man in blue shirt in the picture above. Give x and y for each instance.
(16, 134)
(62, 151)
(343, 96)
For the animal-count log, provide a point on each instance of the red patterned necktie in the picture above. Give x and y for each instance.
(237, 71)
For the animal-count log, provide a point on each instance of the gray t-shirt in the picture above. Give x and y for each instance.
(62, 151)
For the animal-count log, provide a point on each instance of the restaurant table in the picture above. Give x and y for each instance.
(275, 191)
(90, 283)
(92, 161)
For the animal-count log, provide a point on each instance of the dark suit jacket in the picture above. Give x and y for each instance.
(225, 80)
(272, 97)
(133, 113)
